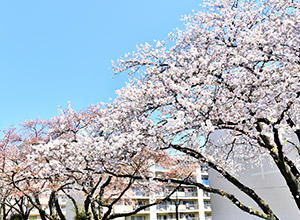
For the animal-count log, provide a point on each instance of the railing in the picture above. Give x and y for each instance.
(189, 207)
(206, 206)
(191, 194)
(189, 218)
(179, 194)
(129, 208)
(208, 216)
(181, 207)
(137, 217)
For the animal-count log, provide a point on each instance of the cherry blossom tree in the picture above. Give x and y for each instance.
(72, 155)
(102, 169)
(20, 175)
(223, 92)
(6, 149)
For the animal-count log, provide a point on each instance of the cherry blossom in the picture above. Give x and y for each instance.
(224, 91)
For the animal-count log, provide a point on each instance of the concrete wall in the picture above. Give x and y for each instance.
(267, 182)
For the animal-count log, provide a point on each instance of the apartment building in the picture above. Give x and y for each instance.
(189, 202)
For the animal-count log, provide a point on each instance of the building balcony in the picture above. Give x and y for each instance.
(138, 217)
(206, 195)
(137, 192)
(129, 208)
(208, 216)
(207, 208)
(181, 208)
(190, 218)
(179, 194)
(190, 194)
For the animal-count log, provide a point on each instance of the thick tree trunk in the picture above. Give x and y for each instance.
(25, 216)
(42, 214)
(177, 211)
(87, 203)
(291, 180)
(94, 211)
(245, 189)
(58, 209)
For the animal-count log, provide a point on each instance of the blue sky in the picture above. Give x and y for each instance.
(55, 51)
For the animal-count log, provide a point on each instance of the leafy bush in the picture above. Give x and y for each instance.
(81, 216)
(16, 216)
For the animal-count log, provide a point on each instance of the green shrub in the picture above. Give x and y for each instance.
(81, 216)
(16, 216)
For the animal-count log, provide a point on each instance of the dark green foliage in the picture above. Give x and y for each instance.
(16, 216)
(81, 216)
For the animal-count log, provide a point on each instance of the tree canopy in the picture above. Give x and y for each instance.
(223, 92)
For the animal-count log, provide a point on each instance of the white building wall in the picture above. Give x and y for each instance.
(200, 195)
(166, 210)
(267, 182)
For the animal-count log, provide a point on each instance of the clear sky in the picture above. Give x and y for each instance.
(55, 51)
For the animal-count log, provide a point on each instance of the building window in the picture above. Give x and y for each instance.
(138, 218)
(189, 204)
(162, 217)
(208, 214)
(162, 206)
(187, 216)
(206, 194)
(206, 204)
